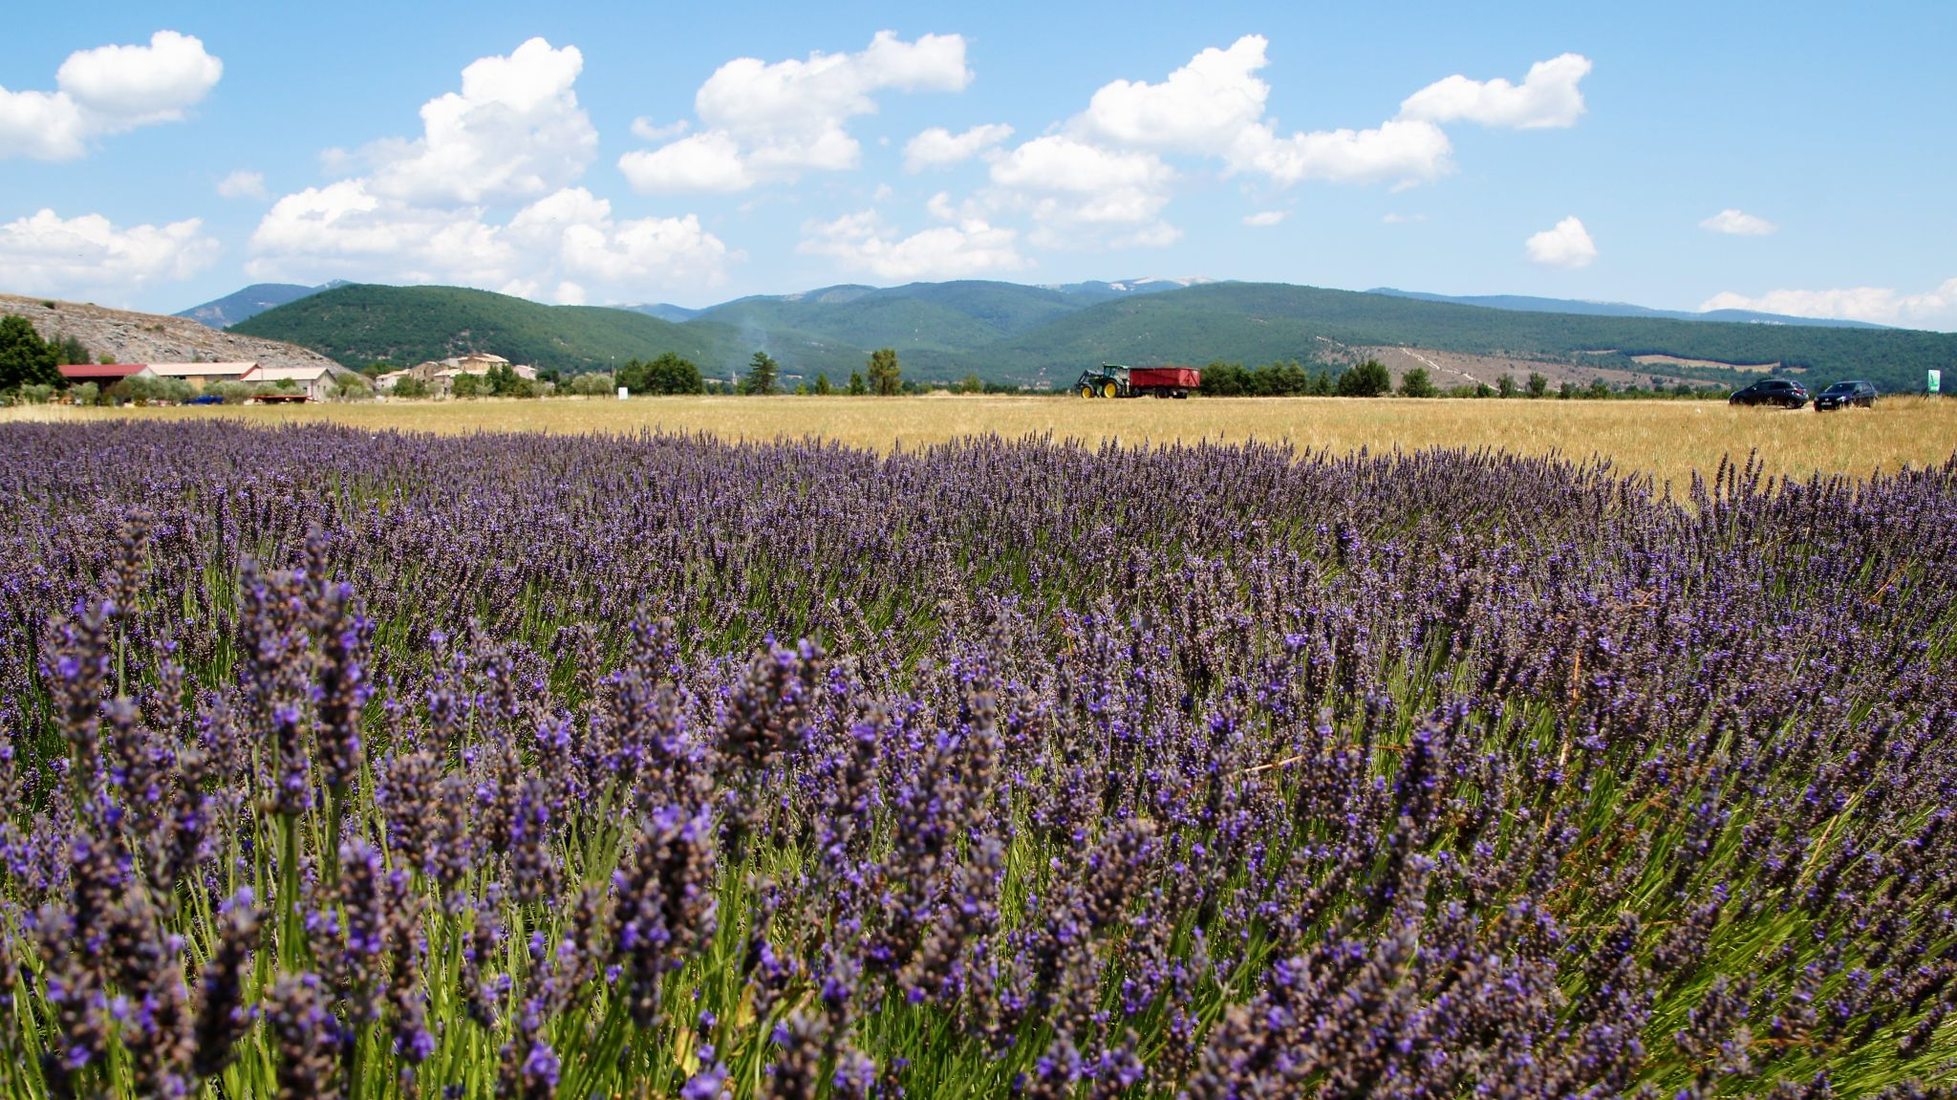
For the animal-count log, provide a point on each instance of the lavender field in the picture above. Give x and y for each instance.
(342, 763)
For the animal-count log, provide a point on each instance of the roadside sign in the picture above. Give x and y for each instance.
(1936, 376)
(622, 391)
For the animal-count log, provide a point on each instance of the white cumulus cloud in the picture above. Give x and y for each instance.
(579, 229)
(437, 208)
(1879, 305)
(939, 147)
(1547, 97)
(648, 130)
(1565, 244)
(865, 242)
(703, 162)
(1201, 107)
(514, 131)
(345, 230)
(1400, 149)
(1060, 163)
(89, 257)
(1079, 192)
(772, 121)
(107, 90)
(1264, 218)
(1738, 223)
(1215, 106)
(243, 184)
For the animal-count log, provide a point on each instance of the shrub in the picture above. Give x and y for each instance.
(594, 384)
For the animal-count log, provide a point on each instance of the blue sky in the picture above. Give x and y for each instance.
(1791, 157)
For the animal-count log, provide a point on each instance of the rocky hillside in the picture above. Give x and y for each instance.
(149, 338)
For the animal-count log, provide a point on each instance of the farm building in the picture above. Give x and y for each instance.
(315, 382)
(105, 374)
(200, 375)
(440, 374)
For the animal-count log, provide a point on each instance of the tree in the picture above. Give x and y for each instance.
(856, 386)
(760, 380)
(593, 384)
(1599, 389)
(971, 383)
(1416, 383)
(409, 386)
(467, 385)
(886, 377)
(69, 350)
(822, 387)
(25, 359)
(500, 381)
(1368, 379)
(1286, 379)
(1538, 385)
(667, 374)
(1567, 391)
(142, 391)
(1505, 385)
(1222, 379)
(672, 374)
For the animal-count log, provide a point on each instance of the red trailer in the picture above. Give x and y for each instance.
(1116, 380)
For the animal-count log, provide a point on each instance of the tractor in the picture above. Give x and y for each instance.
(1118, 380)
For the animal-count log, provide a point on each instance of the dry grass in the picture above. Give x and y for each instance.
(1668, 439)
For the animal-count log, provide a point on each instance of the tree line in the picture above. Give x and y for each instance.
(1372, 379)
(671, 373)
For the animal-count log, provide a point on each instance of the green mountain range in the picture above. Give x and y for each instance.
(364, 323)
(1006, 332)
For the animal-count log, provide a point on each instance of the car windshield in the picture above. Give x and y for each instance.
(1842, 387)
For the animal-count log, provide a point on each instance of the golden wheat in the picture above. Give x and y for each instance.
(1666, 439)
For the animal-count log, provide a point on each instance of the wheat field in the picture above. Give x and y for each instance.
(1666, 439)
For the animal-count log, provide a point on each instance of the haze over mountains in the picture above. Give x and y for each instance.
(1527, 304)
(1008, 332)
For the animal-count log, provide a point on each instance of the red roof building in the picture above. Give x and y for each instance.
(105, 373)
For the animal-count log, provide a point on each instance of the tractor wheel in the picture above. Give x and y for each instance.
(1109, 389)
(1087, 391)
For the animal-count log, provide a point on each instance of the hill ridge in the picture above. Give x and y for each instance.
(1009, 332)
(126, 336)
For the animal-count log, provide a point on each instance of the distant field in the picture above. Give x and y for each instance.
(1667, 439)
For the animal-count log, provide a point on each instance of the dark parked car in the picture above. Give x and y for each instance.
(1846, 393)
(1786, 393)
(205, 399)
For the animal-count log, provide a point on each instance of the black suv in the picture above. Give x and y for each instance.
(1843, 394)
(1784, 392)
